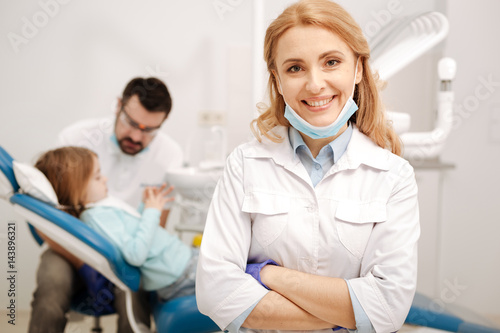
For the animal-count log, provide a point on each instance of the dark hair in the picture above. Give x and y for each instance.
(152, 93)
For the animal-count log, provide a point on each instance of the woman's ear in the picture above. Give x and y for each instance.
(359, 74)
(278, 82)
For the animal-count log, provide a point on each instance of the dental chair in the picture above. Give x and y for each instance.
(179, 315)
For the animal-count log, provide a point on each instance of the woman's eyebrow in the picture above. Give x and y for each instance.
(331, 52)
(291, 60)
(321, 56)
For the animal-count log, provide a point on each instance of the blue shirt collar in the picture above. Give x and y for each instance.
(337, 146)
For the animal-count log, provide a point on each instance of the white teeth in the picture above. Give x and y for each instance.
(319, 103)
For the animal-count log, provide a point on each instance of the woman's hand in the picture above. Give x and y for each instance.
(326, 298)
(157, 197)
(306, 301)
(254, 270)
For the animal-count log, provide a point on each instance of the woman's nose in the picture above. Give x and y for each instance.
(315, 81)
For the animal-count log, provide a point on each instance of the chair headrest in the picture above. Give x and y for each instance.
(33, 182)
(16, 175)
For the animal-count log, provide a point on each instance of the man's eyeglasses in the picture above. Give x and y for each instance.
(129, 122)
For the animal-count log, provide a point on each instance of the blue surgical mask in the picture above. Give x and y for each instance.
(321, 132)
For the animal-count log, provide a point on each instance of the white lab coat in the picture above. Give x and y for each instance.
(359, 223)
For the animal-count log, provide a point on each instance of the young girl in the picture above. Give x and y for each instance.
(167, 264)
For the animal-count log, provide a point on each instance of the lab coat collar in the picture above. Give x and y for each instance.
(280, 152)
(361, 150)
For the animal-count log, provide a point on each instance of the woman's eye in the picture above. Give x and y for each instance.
(294, 69)
(331, 63)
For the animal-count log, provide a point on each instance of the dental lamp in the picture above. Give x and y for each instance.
(427, 145)
(394, 48)
(447, 68)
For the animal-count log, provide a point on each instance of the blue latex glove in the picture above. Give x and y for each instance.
(254, 270)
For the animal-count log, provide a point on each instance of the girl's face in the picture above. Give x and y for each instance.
(96, 187)
(315, 73)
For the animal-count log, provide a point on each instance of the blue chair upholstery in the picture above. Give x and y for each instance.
(173, 315)
(422, 315)
(178, 315)
(7, 168)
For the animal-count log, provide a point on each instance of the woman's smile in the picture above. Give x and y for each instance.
(318, 104)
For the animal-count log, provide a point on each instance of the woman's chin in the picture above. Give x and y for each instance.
(321, 122)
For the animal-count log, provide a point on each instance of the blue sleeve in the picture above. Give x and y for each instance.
(363, 323)
(133, 237)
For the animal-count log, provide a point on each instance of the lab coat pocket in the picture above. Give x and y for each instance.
(269, 214)
(354, 222)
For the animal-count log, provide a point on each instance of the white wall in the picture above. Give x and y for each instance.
(78, 62)
(471, 193)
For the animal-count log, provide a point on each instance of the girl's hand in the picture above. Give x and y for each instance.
(145, 193)
(156, 189)
(157, 197)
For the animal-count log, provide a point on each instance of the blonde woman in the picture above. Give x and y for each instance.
(314, 224)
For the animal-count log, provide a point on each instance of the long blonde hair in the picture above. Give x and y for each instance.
(370, 118)
(68, 170)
